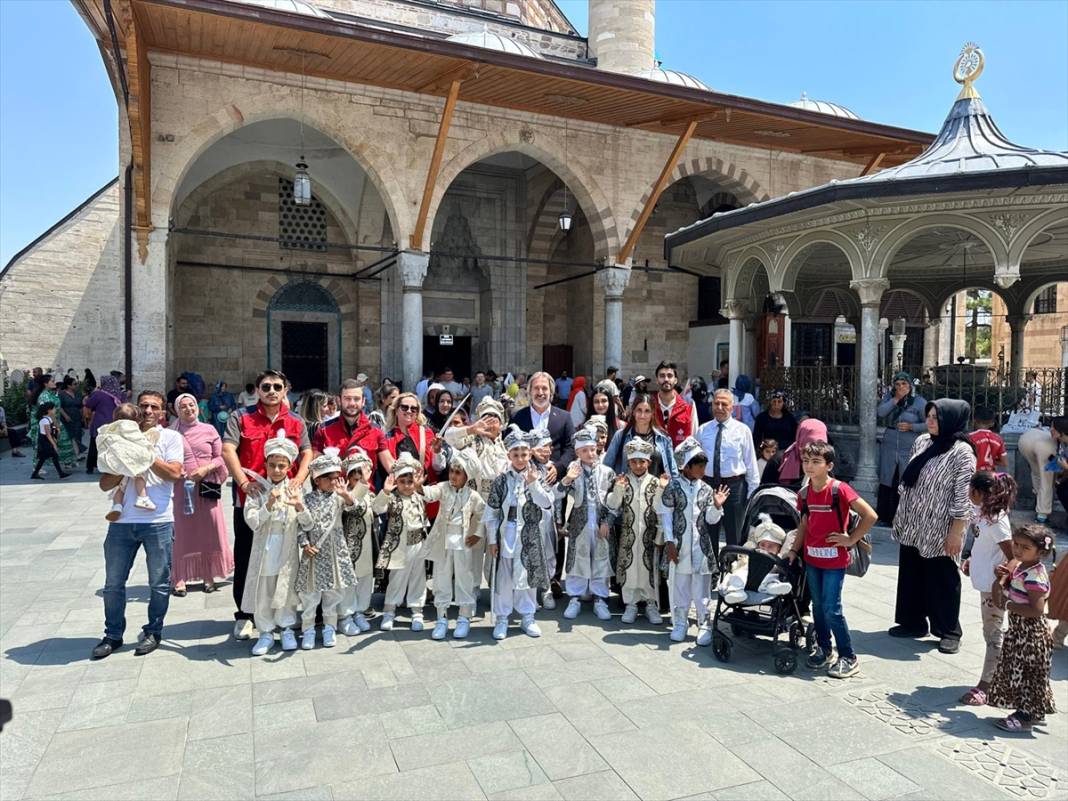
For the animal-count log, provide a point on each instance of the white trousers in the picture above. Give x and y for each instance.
(266, 617)
(505, 599)
(690, 588)
(407, 583)
(637, 594)
(456, 579)
(357, 599)
(1036, 447)
(577, 585)
(330, 599)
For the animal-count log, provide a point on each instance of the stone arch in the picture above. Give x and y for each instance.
(786, 274)
(582, 185)
(752, 283)
(740, 271)
(1026, 235)
(544, 230)
(895, 239)
(1033, 291)
(275, 286)
(168, 174)
(846, 303)
(927, 303)
(978, 283)
(237, 171)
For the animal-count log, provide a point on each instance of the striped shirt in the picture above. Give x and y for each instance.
(939, 496)
(1026, 580)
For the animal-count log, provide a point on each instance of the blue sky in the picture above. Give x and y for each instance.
(887, 61)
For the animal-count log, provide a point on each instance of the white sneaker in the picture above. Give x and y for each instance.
(734, 596)
(704, 634)
(600, 608)
(289, 640)
(387, 621)
(242, 629)
(529, 626)
(777, 588)
(329, 637)
(500, 629)
(441, 628)
(307, 639)
(264, 644)
(463, 627)
(630, 614)
(547, 600)
(347, 627)
(417, 623)
(574, 606)
(144, 502)
(679, 630)
(362, 624)
(652, 614)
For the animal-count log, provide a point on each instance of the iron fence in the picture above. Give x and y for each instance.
(824, 391)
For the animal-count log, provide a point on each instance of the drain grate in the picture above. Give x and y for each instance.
(907, 716)
(1006, 767)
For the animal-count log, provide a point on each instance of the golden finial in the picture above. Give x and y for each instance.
(968, 67)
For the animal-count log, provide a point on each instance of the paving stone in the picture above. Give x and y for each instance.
(164, 788)
(873, 779)
(556, 744)
(103, 703)
(438, 749)
(222, 768)
(465, 702)
(587, 709)
(412, 721)
(370, 702)
(219, 711)
(25, 740)
(321, 793)
(755, 791)
(506, 771)
(440, 783)
(939, 777)
(604, 784)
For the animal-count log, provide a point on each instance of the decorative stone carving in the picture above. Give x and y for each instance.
(459, 268)
(412, 265)
(870, 290)
(1008, 223)
(1006, 279)
(735, 309)
(613, 280)
(869, 237)
(526, 135)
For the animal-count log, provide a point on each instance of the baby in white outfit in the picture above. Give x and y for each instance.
(771, 539)
(125, 450)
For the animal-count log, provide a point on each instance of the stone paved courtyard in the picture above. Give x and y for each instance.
(588, 711)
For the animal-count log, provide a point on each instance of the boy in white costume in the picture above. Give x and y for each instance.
(270, 595)
(588, 564)
(541, 450)
(402, 546)
(325, 571)
(513, 520)
(769, 538)
(634, 503)
(453, 543)
(358, 522)
(689, 508)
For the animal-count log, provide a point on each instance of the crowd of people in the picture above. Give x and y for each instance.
(547, 488)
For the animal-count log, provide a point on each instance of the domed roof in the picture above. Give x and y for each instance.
(289, 6)
(675, 78)
(824, 107)
(493, 41)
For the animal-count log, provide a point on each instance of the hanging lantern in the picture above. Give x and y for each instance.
(565, 221)
(302, 184)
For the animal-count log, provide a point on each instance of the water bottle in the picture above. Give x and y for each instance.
(190, 502)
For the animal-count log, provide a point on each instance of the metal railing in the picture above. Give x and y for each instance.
(826, 392)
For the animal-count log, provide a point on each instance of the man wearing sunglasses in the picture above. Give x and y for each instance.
(246, 432)
(151, 529)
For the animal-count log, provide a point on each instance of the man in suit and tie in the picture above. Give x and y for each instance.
(731, 461)
(542, 414)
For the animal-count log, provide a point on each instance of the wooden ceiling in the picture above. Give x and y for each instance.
(256, 36)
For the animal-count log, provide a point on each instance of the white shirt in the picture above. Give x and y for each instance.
(539, 419)
(737, 456)
(986, 551)
(169, 448)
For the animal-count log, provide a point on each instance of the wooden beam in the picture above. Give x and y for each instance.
(873, 163)
(139, 113)
(416, 239)
(654, 196)
(673, 119)
(439, 82)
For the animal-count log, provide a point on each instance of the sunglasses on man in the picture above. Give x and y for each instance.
(265, 387)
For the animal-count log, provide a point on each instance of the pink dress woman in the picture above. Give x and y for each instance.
(201, 545)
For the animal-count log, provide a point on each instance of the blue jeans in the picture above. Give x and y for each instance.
(825, 585)
(120, 549)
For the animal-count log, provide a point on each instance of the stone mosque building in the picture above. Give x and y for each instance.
(385, 186)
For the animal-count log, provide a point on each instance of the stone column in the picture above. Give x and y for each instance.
(1017, 326)
(613, 281)
(622, 34)
(1064, 348)
(412, 266)
(150, 288)
(735, 311)
(932, 335)
(749, 355)
(870, 291)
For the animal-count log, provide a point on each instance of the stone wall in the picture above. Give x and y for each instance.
(61, 302)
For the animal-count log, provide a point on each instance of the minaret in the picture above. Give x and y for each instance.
(622, 34)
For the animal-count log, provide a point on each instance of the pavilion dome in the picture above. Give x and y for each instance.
(824, 107)
(289, 6)
(674, 77)
(493, 41)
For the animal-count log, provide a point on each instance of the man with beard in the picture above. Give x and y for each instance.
(351, 427)
(673, 414)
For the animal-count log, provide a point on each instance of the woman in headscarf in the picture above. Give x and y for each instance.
(576, 403)
(776, 422)
(744, 402)
(784, 468)
(46, 392)
(903, 411)
(443, 406)
(201, 547)
(929, 526)
(101, 404)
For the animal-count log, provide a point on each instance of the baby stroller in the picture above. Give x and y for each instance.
(761, 613)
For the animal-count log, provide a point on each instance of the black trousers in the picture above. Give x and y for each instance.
(928, 591)
(90, 459)
(45, 451)
(732, 524)
(886, 501)
(242, 553)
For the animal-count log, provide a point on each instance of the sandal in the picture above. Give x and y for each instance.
(974, 697)
(210, 588)
(179, 593)
(1013, 724)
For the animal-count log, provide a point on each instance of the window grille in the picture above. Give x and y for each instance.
(299, 227)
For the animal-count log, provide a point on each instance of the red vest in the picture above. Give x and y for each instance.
(257, 428)
(336, 434)
(679, 424)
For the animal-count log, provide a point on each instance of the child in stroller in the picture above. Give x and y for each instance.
(766, 537)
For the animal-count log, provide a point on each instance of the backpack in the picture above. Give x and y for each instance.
(860, 553)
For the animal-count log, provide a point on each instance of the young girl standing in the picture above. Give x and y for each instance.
(1021, 679)
(46, 440)
(993, 496)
